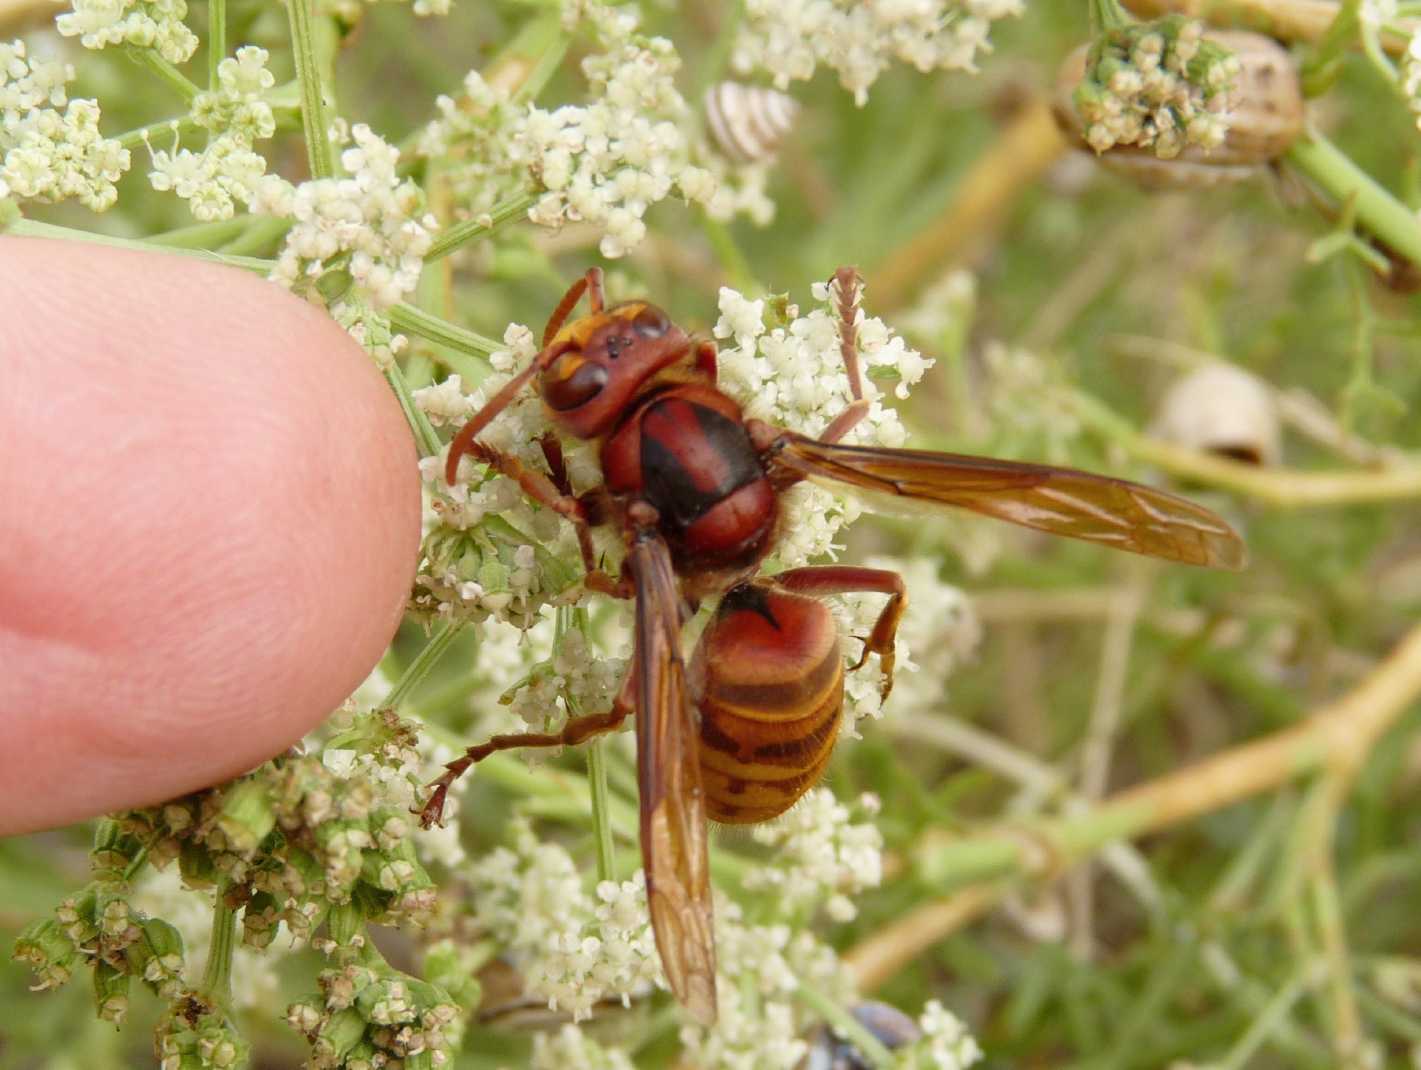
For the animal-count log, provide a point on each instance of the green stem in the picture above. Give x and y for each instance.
(1107, 15)
(1277, 487)
(732, 261)
(413, 320)
(141, 135)
(262, 233)
(139, 858)
(176, 80)
(424, 434)
(561, 794)
(202, 235)
(717, 57)
(847, 1026)
(481, 226)
(217, 974)
(601, 813)
(1382, 214)
(425, 660)
(315, 119)
(1272, 1017)
(550, 42)
(216, 39)
(29, 228)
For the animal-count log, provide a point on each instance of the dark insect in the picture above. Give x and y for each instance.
(887, 1024)
(694, 488)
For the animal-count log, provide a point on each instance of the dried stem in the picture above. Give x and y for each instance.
(1337, 738)
(1022, 151)
(1278, 487)
(1101, 732)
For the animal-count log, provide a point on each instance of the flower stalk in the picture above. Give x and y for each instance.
(178, 82)
(414, 320)
(846, 1025)
(1279, 487)
(1377, 210)
(315, 114)
(217, 974)
(216, 39)
(482, 226)
(415, 672)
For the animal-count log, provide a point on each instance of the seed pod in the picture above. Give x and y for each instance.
(748, 122)
(1221, 409)
(1265, 118)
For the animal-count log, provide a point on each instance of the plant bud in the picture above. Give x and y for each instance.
(246, 816)
(158, 957)
(1265, 116)
(111, 992)
(48, 952)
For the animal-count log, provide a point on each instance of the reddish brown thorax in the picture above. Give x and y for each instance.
(670, 438)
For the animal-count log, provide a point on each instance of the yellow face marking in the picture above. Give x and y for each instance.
(565, 366)
(580, 330)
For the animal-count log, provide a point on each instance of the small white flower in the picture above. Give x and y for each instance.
(370, 215)
(788, 39)
(820, 855)
(794, 376)
(47, 154)
(156, 24)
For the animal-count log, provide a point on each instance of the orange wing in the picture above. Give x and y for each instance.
(673, 821)
(1061, 501)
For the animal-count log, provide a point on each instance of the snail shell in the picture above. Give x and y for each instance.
(1266, 118)
(748, 122)
(1220, 408)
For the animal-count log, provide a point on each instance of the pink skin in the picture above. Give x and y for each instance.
(209, 521)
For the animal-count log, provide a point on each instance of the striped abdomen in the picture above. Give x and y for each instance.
(771, 682)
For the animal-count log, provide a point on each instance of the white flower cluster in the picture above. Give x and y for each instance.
(761, 1025)
(1160, 86)
(352, 11)
(155, 24)
(475, 131)
(790, 38)
(571, 1049)
(370, 222)
(575, 674)
(790, 372)
(1025, 400)
(939, 630)
(822, 855)
(605, 162)
(573, 949)
(945, 1045)
(447, 580)
(399, 775)
(609, 161)
(226, 171)
(47, 154)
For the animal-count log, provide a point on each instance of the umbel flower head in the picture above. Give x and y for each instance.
(1157, 85)
(50, 146)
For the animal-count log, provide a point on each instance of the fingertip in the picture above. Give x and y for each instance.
(215, 523)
